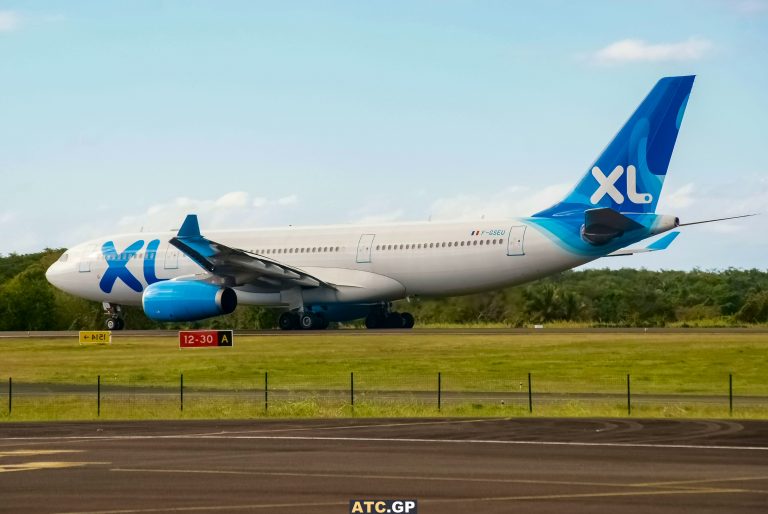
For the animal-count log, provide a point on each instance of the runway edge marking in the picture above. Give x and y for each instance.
(386, 440)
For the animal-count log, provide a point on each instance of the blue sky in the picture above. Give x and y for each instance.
(121, 115)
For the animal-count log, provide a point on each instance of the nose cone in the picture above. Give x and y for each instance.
(58, 272)
(53, 273)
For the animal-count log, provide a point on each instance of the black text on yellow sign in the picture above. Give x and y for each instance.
(383, 507)
(95, 337)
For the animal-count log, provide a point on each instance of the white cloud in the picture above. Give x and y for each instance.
(681, 197)
(235, 209)
(637, 50)
(384, 217)
(510, 202)
(288, 200)
(234, 199)
(9, 21)
(7, 217)
(750, 6)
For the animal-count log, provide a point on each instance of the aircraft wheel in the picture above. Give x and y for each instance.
(408, 320)
(308, 321)
(374, 320)
(115, 324)
(287, 321)
(395, 320)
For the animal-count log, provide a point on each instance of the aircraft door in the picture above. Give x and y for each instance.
(516, 239)
(85, 259)
(364, 248)
(171, 257)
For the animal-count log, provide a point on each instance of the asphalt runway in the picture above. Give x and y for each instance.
(448, 465)
(406, 332)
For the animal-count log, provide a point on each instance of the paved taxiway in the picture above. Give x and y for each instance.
(413, 332)
(312, 466)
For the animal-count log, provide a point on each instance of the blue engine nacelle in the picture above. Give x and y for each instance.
(187, 300)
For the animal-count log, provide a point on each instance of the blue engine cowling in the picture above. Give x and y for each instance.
(187, 300)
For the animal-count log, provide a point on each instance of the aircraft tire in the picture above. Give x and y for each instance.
(408, 320)
(374, 320)
(287, 321)
(395, 320)
(308, 321)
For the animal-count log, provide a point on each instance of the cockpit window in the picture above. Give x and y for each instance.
(64, 257)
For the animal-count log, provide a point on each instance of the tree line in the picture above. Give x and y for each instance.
(595, 297)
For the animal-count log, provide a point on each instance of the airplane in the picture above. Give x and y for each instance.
(323, 274)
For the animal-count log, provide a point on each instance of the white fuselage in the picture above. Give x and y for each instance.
(365, 263)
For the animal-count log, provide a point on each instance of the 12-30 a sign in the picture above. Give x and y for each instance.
(205, 338)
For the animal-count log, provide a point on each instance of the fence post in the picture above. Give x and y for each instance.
(10, 395)
(530, 395)
(629, 398)
(98, 395)
(181, 392)
(730, 393)
(352, 388)
(439, 390)
(266, 391)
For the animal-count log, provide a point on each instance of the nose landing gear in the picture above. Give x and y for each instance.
(115, 320)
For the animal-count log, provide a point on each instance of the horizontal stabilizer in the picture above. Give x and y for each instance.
(660, 244)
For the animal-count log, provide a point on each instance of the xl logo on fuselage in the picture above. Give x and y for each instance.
(117, 265)
(608, 187)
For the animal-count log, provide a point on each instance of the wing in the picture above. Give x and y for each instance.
(234, 267)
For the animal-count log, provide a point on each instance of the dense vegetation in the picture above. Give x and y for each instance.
(626, 297)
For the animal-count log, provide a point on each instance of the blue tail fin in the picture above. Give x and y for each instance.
(629, 174)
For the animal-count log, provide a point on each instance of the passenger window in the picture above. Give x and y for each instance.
(474, 242)
(449, 244)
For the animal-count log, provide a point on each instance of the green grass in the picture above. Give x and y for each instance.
(686, 363)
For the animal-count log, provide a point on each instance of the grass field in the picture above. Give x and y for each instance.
(310, 375)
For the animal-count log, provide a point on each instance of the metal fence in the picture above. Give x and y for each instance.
(373, 394)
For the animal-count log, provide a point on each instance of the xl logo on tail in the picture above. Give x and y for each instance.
(608, 187)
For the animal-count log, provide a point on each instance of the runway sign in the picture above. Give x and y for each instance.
(95, 337)
(205, 338)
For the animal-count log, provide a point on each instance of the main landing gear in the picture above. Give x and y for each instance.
(382, 317)
(115, 320)
(293, 320)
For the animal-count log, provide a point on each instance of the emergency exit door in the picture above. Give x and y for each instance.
(364, 247)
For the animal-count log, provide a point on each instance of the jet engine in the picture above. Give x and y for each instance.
(180, 300)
